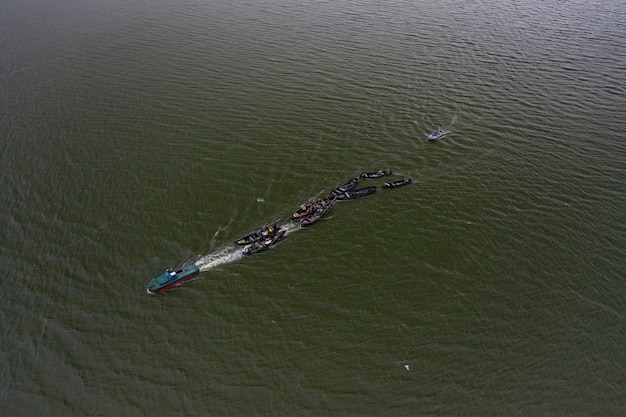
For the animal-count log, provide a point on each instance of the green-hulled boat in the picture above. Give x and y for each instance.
(172, 278)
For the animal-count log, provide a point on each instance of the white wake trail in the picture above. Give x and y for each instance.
(232, 254)
(223, 256)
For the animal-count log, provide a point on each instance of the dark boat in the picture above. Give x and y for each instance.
(263, 244)
(263, 232)
(172, 278)
(397, 183)
(354, 194)
(377, 174)
(350, 184)
(320, 211)
(437, 134)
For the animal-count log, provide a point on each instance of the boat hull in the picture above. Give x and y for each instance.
(378, 174)
(354, 194)
(264, 244)
(166, 281)
(304, 210)
(265, 232)
(350, 184)
(436, 135)
(320, 212)
(398, 183)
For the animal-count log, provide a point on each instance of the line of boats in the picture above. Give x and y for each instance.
(267, 236)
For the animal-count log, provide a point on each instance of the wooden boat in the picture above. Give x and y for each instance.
(354, 194)
(263, 232)
(377, 174)
(264, 244)
(305, 209)
(437, 134)
(397, 183)
(320, 211)
(172, 278)
(350, 184)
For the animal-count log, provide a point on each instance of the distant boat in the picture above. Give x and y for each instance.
(397, 183)
(437, 134)
(377, 174)
(172, 278)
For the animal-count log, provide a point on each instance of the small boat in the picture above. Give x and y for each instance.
(304, 210)
(437, 134)
(172, 278)
(350, 184)
(263, 244)
(377, 174)
(354, 194)
(397, 183)
(266, 231)
(320, 211)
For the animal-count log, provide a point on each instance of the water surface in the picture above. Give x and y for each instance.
(141, 136)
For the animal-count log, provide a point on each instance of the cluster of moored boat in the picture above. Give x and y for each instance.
(315, 209)
(264, 238)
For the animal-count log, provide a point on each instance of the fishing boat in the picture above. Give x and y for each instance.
(350, 184)
(305, 209)
(397, 183)
(172, 278)
(263, 244)
(354, 194)
(377, 174)
(263, 232)
(437, 134)
(320, 211)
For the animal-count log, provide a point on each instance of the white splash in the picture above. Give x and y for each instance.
(223, 256)
(231, 254)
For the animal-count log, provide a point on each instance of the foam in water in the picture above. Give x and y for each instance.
(223, 256)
